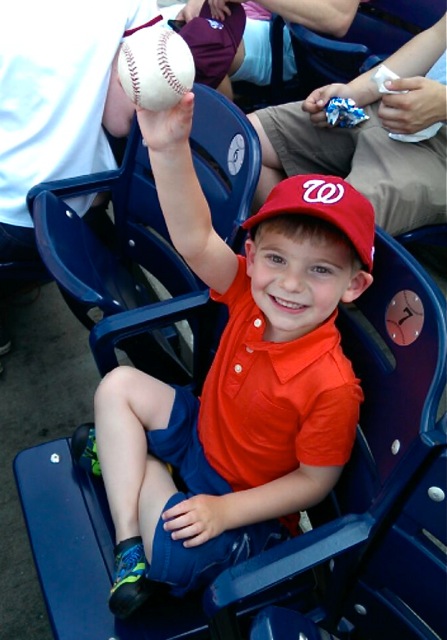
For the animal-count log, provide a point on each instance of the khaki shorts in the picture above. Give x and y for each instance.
(405, 181)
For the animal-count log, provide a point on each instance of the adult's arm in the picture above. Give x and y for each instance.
(333, 17)
(118, 109)
(413, 59)
(411, 62)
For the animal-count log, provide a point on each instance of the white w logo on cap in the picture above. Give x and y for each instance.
(321, 191)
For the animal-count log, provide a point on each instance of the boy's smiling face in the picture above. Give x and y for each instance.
(297, 283)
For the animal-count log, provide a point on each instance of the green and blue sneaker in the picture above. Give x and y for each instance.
(83, 447)
(130, 588)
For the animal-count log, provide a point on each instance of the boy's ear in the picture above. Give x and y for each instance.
(359, 283)
(250, 250)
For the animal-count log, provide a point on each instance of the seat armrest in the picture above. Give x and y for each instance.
(108, 332)
(326, 42)
(372, 61)
(71, 187)
(262, 573)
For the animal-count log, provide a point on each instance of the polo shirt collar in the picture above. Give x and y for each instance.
(290, 358)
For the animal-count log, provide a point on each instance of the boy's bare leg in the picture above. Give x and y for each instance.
(127, 402)
(157, 488)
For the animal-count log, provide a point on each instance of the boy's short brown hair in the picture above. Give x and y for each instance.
(303, 227)
(326, 198)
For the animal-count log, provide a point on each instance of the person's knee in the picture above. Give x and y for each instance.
(238, 59)
(269, 156)
(114, 384)
(256, 123)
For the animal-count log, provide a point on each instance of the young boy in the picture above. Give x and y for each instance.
(277, 417)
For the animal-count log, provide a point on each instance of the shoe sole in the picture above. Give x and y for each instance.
(123, 612)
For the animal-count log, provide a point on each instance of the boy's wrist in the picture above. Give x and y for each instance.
(172, 153)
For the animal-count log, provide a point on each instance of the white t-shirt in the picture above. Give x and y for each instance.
(55, 60)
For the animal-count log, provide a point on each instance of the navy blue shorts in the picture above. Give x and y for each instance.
(186, 569)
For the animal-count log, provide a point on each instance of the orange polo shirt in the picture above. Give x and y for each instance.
(266, 406)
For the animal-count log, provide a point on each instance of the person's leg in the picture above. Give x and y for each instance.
(16, 244)
(292, 145)
(272, 171)
(405, 181)
(127, 403)
(238, 58)
(226, 88)
(157, 488)
(253, 61)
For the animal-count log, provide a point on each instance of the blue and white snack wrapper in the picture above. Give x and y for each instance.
(380, 77)
(343, 112)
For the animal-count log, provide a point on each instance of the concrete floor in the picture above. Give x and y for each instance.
(46, 389)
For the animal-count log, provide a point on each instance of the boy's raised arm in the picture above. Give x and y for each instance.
(184, 205)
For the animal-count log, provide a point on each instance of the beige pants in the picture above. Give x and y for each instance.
(405, 181)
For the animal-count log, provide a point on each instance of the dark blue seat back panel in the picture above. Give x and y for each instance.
(395, 334)
(379, 28)
(110, 276)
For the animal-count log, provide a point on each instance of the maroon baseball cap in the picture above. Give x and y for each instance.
(214, 43)
(329, 198)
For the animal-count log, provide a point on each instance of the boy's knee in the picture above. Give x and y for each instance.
(114, 382)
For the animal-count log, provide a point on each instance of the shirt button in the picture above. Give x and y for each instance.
(238, 368)
(248, 350)
(257, 322)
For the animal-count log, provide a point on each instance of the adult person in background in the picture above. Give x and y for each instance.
(253, 59)
(405, 181)
(58, 86)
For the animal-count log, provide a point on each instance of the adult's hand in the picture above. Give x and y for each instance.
(315, 103)
(424, 104)
(190, 10)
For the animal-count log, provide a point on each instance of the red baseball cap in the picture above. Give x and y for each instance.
(214, 43)
(329, 198)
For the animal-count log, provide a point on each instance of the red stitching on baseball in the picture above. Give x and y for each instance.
(133, 72)
(165, 67)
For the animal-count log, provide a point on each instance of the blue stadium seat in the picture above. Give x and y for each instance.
(372, 565)
(378, 543)
(380, 27)
(104, 278)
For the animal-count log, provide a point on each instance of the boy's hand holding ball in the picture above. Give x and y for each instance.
(155, 68)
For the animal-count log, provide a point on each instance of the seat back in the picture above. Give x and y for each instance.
(113, 276)
(401, 589)
(400, 458)
(379, 28)
(226, 157)
(395, 335)
(411, 15)
(382, 530)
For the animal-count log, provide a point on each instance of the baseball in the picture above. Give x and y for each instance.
(155, 68)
